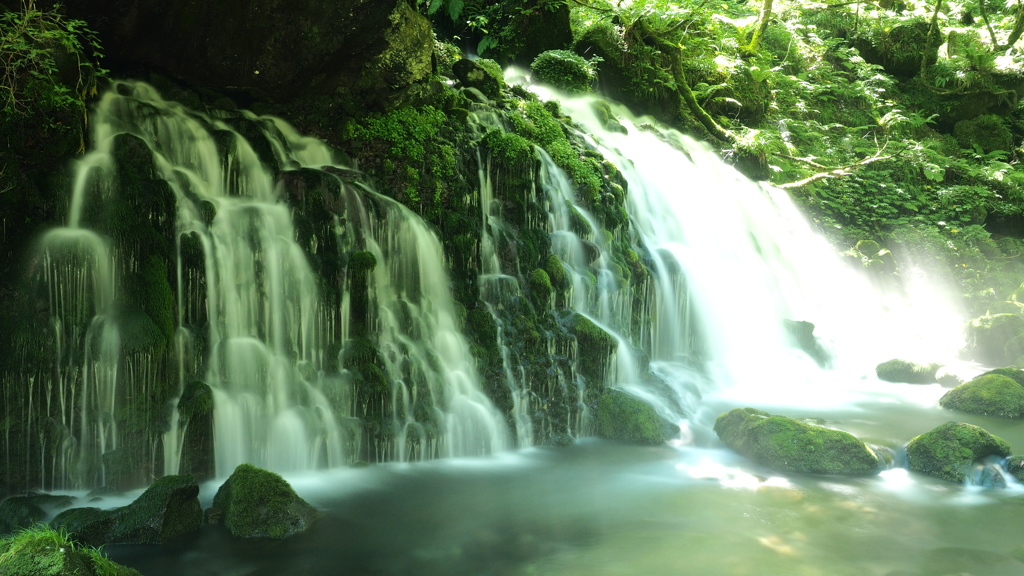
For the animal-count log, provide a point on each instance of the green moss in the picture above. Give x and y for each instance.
(594, 347)
(510, 149)
(41, 551)
(989, 395)
(987, 132)
(540, 288)
(987, 337)
(564, 70)
(1015, 374)
(556, 272)
(947, 451)
(789, 445)
(623, 417)
(256, 503)
(897, 370)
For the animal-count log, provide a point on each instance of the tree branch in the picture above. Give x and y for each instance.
(841, 171)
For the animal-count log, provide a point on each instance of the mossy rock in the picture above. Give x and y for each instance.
(987, 132)
(595, 346)
(789, 445)
(565, 70)
(1015, 466)
(256, 503)
(898, 49)
(989, 395)
(987, 337)
(540, 288)
(472, 74)
(556, 272)
(45, 552)
(629, 419)
(1015, 374)
(949, 450)
(166, 510)
(907, 372)
(24, 511)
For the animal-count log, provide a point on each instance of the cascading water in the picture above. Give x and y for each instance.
(275, 340)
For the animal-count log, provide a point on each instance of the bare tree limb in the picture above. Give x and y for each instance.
(841, 171)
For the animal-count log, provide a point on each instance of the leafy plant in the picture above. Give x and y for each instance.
(38, 49)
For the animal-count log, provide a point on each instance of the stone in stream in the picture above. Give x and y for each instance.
(256, 503)
(24, 511)
(167, 509)
(950, 450)
(789, 445)
(897, 370)
(989, 395)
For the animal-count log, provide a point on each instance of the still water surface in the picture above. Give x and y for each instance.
(601, 508)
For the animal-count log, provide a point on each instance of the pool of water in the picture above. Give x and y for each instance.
(602, 508)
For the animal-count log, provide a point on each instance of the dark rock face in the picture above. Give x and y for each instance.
(167, 509)
(789, 445)
(24, 511)
(949, 450)
(255, 503)
(279, 48)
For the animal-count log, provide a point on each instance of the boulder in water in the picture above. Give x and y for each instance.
(167, 509)
(623, 417)
(1015, 466)
(789, 445)
(256, 503)
(949, 450)
(989, 395)
(987, 337)
(1015, 374)
(801, 334)
(24, 511)
(907, 372)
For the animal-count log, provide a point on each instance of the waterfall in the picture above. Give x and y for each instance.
(264, 312)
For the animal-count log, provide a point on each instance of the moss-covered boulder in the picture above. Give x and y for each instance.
(898, 49)
(1015, 374)
(897, 370)
(565, 70)
(788, 445)
(166, 510)
(948, 451)
(990, 395)
(987, 337)
(45, 552)
(256, 503)
(988, 132)
(24, 511)
(478, 75)
(629, 419)
(1015, 466)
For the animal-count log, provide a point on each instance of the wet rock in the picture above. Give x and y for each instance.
(1015, 374)
(629, 419)
(24, 511)
(801, 334)
(1015, 467)
(255, 503)
(473, 74)
(987, 337)
(789, 445)
(949, 450)
(989, 395)
(167, 509)
(907, 372)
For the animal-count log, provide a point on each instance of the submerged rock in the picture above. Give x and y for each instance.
(907, 372)
(167, 509)
(989, 395)
(42, 551)
(949, 450)
(255, 503)
(24, 511)
(789, 445)
(623, 417)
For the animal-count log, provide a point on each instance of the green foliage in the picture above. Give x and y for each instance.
(43, 551)
(409, 152)
(33, 45)
(565, 70)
